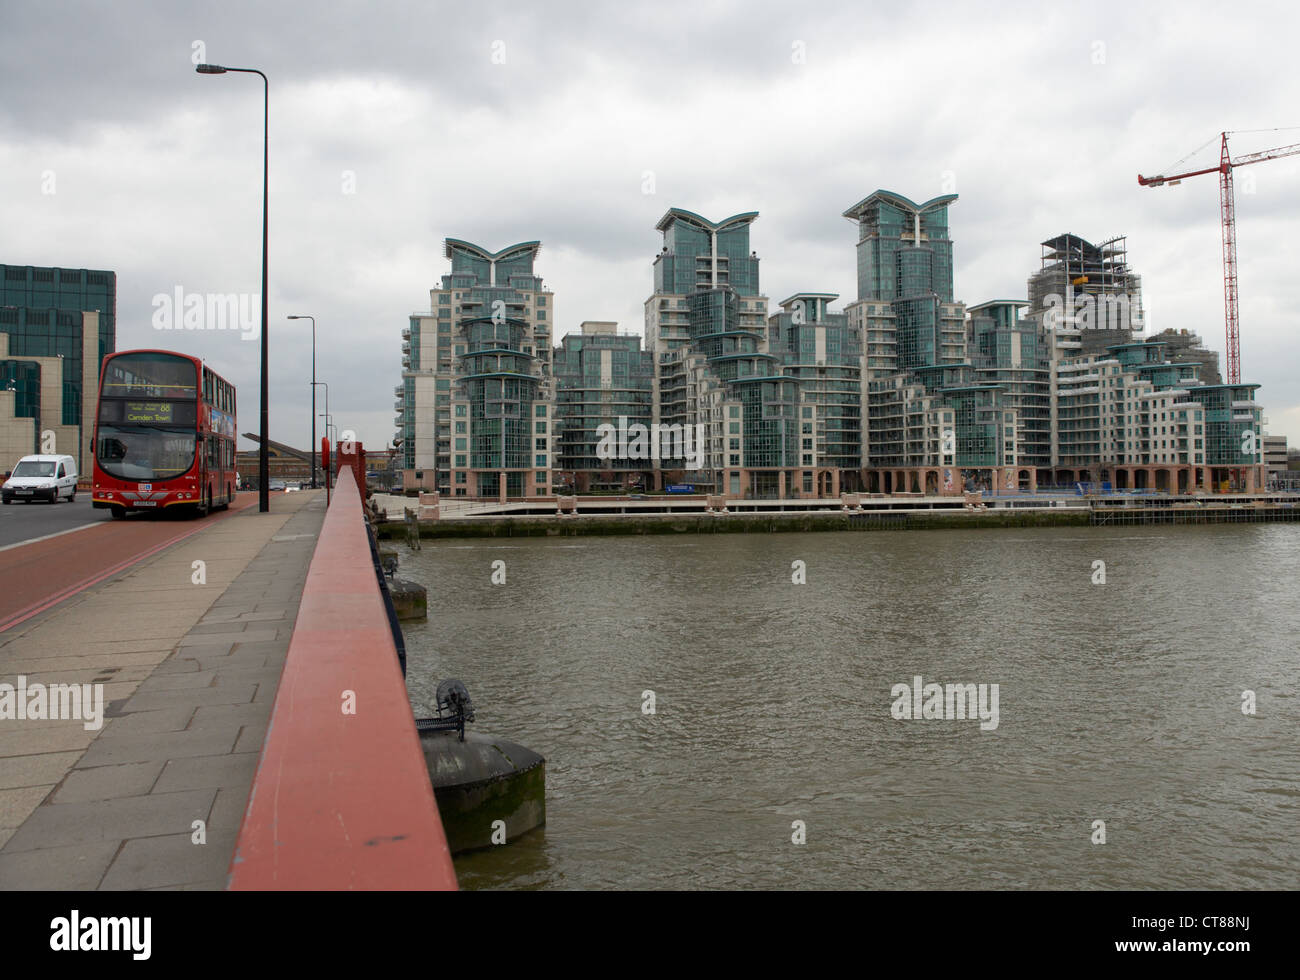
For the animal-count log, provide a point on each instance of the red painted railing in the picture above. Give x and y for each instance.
(342, 798)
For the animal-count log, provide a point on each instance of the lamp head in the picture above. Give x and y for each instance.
(209, 69)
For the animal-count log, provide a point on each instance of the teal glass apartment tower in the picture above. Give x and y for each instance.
(824, 354)
(904, 260)
(56, 326)
(478, 391)
(601, 378)
(1014, 354)
(932, 423)
(706, 327)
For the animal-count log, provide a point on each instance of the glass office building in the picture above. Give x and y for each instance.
(58, 325)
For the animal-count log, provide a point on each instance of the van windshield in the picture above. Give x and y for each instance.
(34, 467)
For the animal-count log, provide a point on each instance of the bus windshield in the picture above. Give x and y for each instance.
(144, 452)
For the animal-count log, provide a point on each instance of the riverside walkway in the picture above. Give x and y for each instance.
(191, 665)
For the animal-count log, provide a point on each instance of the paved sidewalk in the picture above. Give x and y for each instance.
(189, 674)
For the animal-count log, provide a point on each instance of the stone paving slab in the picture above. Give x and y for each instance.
(116, 808)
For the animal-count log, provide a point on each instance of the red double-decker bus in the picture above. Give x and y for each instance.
(164, 434)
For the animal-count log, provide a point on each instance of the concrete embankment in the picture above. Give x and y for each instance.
(522, 527)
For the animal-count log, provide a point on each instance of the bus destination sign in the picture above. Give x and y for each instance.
(153, 413)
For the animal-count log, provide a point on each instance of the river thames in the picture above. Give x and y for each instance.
(1120, 705)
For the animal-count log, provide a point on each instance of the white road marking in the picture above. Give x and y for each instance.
(46, 537)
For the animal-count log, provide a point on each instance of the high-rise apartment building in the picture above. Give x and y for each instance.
(603, 379)
(706, 327)
(905, 304)
(906, 390)
(823, 353)
(478, 390)
(1014, 354)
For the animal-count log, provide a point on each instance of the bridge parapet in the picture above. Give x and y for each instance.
(342, 797)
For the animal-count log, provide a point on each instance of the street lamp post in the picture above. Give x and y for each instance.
(325, 385)
(315, 385)
(263, 458)
(313, 394)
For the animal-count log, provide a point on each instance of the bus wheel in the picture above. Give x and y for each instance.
(119, 513)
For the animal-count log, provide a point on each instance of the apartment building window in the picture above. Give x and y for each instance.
(461, 411)
(539, 411)
(541, 459)
(460, 477)
(444, 300)
(460, 427)
(460, 461)
(735, 460)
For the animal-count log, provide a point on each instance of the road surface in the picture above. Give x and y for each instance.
(49, 552)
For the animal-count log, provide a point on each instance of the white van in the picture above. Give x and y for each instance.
(41, 478)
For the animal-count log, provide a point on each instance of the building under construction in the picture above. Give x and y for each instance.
(1087, 292)
(1184, 347)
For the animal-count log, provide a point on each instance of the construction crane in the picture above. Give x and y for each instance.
(1229, 216)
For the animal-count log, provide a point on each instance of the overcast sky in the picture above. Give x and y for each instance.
(396, 125)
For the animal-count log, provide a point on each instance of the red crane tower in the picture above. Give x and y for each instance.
(1229, 216)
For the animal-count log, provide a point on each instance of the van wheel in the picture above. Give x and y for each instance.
(72, 497)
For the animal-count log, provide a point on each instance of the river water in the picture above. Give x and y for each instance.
(1118, 702)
